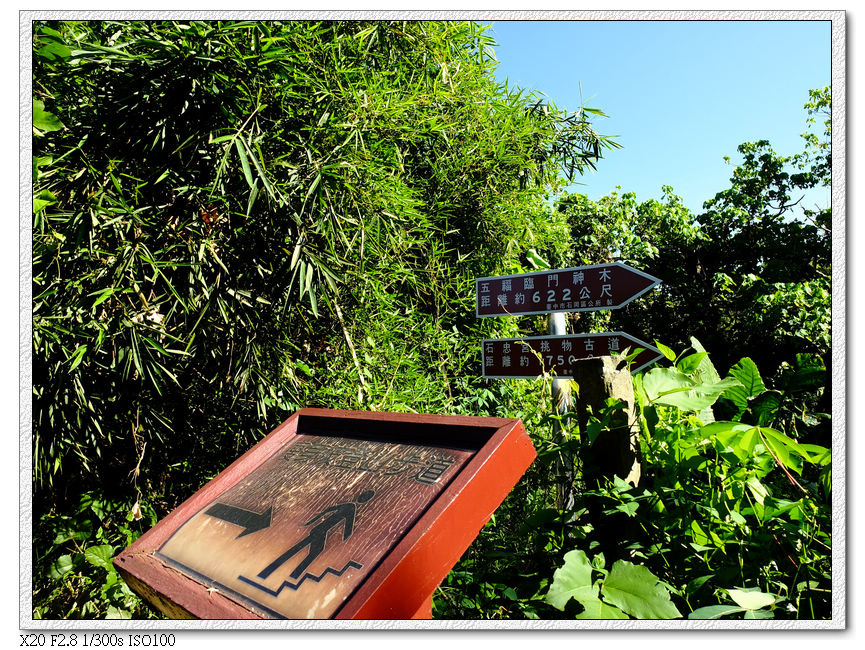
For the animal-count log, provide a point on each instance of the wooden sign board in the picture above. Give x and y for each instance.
(582, 288)
(531, 356)
(335, 514)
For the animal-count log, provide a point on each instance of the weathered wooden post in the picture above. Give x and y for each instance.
(613, 452)
(616, 450)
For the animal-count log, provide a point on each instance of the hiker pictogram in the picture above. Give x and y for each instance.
(330, 518)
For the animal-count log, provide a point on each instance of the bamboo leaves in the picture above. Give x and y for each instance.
(244, 161)
(207, 195)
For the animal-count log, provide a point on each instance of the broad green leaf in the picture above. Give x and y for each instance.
(758, 614)
(757, 489)
(735, 437)
(628, 508)
(572, 580)
(699, 535)
(705, 372)
(706, 415)
(54, 50)
(48, 31)
(667, 352)
(620, 485)
(43, 120)
(696, 583)
(714, 611)
(750, 383)
(38, 162)
(61, 566)
(781, 447)
(664, 381)
(721, 427)
(596, 609)
(817, 454)
(659, 381)
(638, 592)
(670, 387)
(639, 391)
(690, 363)
(751, 599)
(765, 405)
(100, 556)
(116, 613)
(785, 440)
(737, 518)
(43, 199)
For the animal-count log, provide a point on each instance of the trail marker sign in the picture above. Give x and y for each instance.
(583, 288)
(531, 356)
(335, 514)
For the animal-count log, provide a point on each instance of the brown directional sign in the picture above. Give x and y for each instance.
(584, 288)
(531, 356)
(334, 514)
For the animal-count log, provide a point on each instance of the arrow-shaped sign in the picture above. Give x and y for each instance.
(582, 288)
(251, 521)
(531, 356)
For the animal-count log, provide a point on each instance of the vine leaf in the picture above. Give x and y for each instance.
(572, 580)
(44, 121)
(637, 591)
(751, 384)
(100, 556)
(751, 599)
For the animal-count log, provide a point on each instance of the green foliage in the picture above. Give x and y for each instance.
(750, 601)
(73, 572)
(232, 219)
(219, 202)
(742, 490)
(748, 276)
(627, 589)
(235, 219)
(720, 503)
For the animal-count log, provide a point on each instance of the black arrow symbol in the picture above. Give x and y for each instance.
(251, 521)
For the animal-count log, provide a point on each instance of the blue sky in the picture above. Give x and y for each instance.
(679, 94)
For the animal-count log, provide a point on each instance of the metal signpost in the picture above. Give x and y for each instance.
(584, 288)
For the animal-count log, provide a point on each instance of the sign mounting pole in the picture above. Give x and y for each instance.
(561, 394)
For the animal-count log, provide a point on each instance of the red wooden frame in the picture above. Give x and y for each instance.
(401, 586)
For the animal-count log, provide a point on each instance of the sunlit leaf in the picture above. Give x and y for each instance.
(43, 120)
(637, 591)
